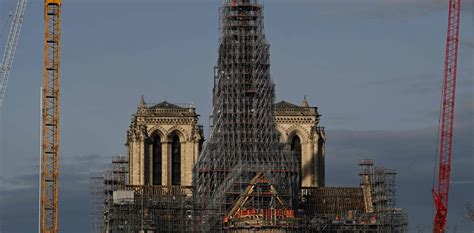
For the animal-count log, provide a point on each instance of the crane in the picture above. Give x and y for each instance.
(10, 49)
(50, 117)
(440, 195)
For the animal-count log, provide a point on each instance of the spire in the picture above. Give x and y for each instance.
(142, 103)
(305, 104)
(244, 141)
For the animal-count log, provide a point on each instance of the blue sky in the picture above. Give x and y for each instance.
(373, 67)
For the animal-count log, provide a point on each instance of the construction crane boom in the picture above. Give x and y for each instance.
(10, 49)
(440, 195)
(50, 117)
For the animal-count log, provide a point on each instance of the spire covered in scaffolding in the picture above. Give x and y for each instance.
(244, 141)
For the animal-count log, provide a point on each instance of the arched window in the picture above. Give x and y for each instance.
(321, 163)
(296, 149)
(175, 161)
(157, 159)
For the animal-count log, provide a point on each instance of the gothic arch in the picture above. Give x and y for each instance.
(157, 130)
(299, 130)
(156, 159)
(178, 130)
(297, 150)
(176, 159)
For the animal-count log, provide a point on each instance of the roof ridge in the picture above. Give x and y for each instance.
(166, 104)
(285, 104)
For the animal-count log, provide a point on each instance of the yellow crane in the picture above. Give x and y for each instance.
(50, 117)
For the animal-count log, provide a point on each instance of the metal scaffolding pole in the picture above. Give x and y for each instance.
(97, 197)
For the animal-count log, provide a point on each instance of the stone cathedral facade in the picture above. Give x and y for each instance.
(165, 140)
(300, 132)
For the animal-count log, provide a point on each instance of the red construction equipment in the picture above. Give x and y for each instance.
(440, 196)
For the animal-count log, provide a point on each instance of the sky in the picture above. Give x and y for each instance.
(372, 67)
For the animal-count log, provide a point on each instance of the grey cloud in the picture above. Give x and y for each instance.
(467, 42)
(20, 182)
(409, 151)
(19, 197)
(462, 182)
(412, 154)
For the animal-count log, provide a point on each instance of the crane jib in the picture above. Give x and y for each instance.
(10, 49)
(441, 194)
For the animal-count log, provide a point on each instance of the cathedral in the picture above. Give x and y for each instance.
(261, 166)
(165, 141)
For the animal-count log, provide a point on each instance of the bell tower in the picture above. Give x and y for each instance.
(164, 142)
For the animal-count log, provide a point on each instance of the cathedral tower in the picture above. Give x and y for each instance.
(164, 142)
(301, 133)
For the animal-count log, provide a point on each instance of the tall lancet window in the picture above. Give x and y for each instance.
(175, 161)
(157, 159)
(296, 149)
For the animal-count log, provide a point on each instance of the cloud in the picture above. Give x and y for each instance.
(462, 182)
(412, 154)
(19, 197)
(467, 42)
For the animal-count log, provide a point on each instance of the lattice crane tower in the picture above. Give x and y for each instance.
(50, 117)
(441, 194)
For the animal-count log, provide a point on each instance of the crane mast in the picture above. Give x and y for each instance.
(12, 42)
(50, 117)
(440, 196)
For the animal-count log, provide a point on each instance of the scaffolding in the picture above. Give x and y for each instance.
(97, 197)
(379, 184)
(102, 188)
(121, 208)
(332, 200)
(259, 207)
(367, 208)
(151, 209)
(245, 180)
(243, 141)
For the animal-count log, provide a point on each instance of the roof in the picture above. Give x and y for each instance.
(166, 105)
(284, 104)
(164, 109)
(335, 200)
(284, 108)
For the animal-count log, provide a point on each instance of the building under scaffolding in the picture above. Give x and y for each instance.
(243, 149)
(245, 178)
(368, 208)
(102, 188)
(320, 209)
(151, 209)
